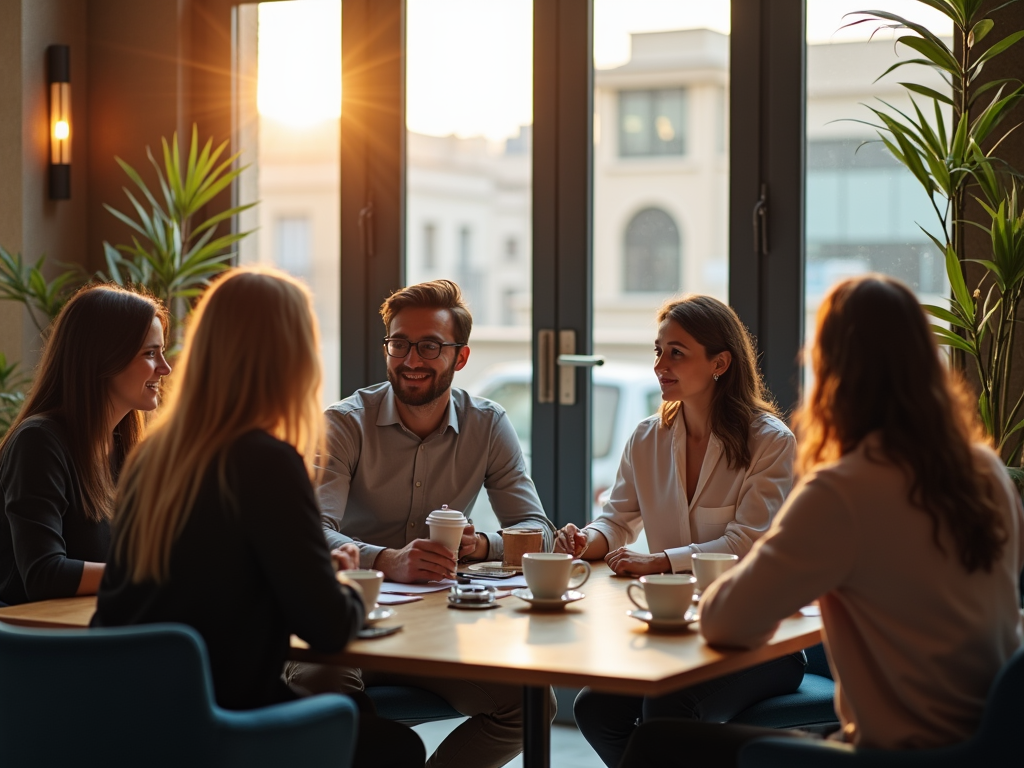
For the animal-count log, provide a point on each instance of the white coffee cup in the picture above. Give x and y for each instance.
(708, 566)
(665, 595)
(446, 526)
(549, 575)
(369, 581)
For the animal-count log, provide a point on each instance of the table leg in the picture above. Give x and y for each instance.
(536, 727)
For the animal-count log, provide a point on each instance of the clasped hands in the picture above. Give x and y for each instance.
(622, 561)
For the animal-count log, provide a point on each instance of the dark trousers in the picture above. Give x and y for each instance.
(382, 743)
(708, 745)
(607, 721)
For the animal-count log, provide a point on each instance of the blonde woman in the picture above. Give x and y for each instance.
(216, 524)
(101, 368)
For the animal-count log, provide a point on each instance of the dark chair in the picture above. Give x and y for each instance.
(143, 696)
(995, 743)
(409, 705)
(809, 708)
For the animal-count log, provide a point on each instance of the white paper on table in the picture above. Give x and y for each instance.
(395, 588)
(383, 599)
(513, 582)
(811, 610)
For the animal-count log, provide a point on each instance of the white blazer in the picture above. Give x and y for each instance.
(731, 507)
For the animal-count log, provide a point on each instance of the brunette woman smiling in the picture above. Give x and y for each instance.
(101, 366)
(706, 474)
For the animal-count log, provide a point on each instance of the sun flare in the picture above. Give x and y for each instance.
(299, 61)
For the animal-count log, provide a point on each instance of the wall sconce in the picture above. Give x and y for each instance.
(58, 65)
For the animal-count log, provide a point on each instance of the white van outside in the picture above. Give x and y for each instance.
(624, 395)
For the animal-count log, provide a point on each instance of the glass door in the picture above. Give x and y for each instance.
(864, 210)
(661, 194)
(288, 107)
(468, 195)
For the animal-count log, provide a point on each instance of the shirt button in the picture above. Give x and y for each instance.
(421, 447)
(412, 525)
(418, 484)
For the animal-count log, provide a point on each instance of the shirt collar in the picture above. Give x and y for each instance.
(388, 413)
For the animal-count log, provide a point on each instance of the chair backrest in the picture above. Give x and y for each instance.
(125, 696)
(817, 661)
(1004, 711)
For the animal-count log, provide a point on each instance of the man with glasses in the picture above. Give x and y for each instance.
(400, 449)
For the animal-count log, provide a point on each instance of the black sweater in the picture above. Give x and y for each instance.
(246, 573)
(44, 533)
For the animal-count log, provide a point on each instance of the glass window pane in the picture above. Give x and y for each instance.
(469, 116)
(289, 95)
(661, 190)
(863, 207)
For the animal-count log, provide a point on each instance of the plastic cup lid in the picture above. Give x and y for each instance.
(446, 516)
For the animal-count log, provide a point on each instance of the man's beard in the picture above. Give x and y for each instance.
(441, 382)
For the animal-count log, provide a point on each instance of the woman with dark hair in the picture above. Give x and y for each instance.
(904, 525)
(101, 365)
(706, 474)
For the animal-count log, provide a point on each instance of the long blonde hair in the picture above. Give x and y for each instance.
(250, 361)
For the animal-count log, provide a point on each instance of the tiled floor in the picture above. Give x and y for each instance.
(568, 748)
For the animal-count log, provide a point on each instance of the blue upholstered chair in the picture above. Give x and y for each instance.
(143, 696)
(809, 708)
(409, 705)
(996, 742)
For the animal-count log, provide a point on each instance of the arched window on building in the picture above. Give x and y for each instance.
(652, 253)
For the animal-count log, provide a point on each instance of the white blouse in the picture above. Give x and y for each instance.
(731, 507)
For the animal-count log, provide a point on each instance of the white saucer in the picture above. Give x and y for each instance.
(464, 606)
(549, 603)
(377, 615)
(665, 625)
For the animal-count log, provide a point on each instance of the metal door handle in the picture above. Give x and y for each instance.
(581, 361)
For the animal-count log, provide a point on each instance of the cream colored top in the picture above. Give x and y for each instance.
(914, 641)
(731, 507)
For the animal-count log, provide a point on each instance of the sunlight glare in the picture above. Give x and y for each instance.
(299, 61)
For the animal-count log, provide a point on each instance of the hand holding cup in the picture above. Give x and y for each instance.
(571, 540)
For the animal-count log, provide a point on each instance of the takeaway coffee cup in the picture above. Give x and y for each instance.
(369, 581)
(446, 526)
(665, 595)
(549, 575)
(516, 542)
(708, 566)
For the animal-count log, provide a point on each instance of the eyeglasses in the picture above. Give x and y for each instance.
(425, 348)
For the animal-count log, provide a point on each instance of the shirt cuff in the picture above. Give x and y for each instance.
(368, 554)
(495, 546)
(680, 558)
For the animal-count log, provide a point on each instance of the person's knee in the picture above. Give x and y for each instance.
(322, 678)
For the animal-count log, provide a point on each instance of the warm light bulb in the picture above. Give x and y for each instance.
(61, 130)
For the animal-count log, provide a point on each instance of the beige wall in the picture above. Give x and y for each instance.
(31, 223)
(139, 71)
(10, 161)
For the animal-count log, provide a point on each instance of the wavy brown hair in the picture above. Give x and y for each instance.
(740, 395)
(96, 335)
(877, 369)
(436, 294)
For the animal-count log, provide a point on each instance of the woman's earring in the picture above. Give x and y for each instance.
(714, 376)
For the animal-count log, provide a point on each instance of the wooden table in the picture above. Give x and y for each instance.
(590, 643)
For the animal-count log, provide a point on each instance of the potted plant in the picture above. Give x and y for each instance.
(957, 159)
(171, 254)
